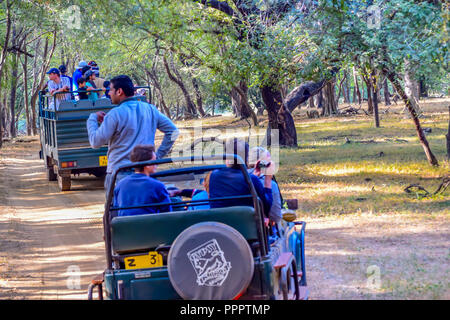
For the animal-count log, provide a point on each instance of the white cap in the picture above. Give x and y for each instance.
(256, 154)
(82, 64)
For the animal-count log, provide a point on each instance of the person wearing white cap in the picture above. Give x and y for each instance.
(258, 159)
(77, 74)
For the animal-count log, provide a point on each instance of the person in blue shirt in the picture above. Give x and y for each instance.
(77, 74)
(230, 181)
(139, 188)
(197, 194)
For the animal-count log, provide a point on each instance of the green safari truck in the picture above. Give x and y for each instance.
(65, 146)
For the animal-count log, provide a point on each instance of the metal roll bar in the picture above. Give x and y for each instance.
(259, 214)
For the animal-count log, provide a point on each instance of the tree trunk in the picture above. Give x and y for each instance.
(340, 89)
(423, 89)
(394, 79)
(387, 99)
(152, 75)
(302, 93)
(311, 102)
(242, 102)
(329, 99)
(448, 135)
(5, 44)
(191, 111)
(236, 102)
(25, 85)
(375, 91)
(368, 83)
(411, 86)
(198, 96)
(319, 99)
(280, 118)
(1, 120)
(13, 87)
(39, 76)
(355, 80)
(346, 88)
(256, 100)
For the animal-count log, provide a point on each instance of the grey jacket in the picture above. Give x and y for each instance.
(131, 123)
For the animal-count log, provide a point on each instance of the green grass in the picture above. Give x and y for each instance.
(346, 165)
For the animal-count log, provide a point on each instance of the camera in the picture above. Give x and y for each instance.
(263, 164)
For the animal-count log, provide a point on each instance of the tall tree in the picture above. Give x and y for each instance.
(174, 75)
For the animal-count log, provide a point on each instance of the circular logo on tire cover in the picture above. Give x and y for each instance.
(210, 264)
(210, 261)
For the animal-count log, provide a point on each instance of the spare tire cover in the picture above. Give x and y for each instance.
(210, 261)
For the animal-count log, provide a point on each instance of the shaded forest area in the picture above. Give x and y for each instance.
(255, 59)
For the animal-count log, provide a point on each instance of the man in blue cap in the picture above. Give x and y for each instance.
(55, 85)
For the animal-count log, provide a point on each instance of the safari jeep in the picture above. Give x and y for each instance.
(212, 254)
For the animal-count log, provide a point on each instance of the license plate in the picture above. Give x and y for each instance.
(103, 161)
(151, 260)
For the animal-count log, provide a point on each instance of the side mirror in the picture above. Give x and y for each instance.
(292, 204)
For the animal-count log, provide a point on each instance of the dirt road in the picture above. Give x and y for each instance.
(51, 242)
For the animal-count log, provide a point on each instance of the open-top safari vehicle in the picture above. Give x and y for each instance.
(220, 253)
(65, 146)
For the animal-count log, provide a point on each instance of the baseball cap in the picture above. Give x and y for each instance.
(62, 68)
(92, 63)
(82, 64)
(88, 73)
(53, 70)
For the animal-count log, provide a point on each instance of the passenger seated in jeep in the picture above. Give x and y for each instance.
(197, 194)
(139, 188)
(258, 159)
(230, 181)
(83, 91)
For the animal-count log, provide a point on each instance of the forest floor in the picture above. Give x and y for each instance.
(366, 238)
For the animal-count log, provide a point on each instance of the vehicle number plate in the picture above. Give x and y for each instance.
(151, 260)
(103, 161)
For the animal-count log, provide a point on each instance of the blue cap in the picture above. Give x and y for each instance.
(53, 70)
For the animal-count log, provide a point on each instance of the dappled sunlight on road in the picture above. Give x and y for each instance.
(48, 236)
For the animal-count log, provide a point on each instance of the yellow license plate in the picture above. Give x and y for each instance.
(103, 161)
(151, 260)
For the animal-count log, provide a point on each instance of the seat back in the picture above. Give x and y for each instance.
(85, 103)
(102, 102)
(147, 231)
(66, 105)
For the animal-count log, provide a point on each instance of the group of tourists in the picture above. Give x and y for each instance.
(129, 131)
(85, 83)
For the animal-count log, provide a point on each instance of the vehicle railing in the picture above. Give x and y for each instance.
(195, 202)
(259, 215)
(45, 94)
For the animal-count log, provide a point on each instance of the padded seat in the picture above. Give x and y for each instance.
(66, 105)
(102, 102)
(86, 103)
(141, 232)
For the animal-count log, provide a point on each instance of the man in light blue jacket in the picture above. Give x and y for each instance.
(129, 124)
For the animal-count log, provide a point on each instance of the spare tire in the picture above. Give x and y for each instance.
(210, 261)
